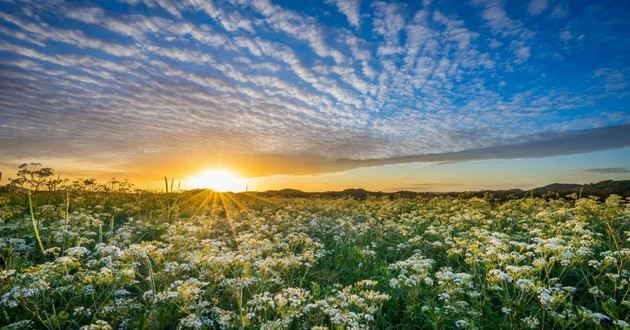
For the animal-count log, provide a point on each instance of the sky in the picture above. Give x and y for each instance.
(319, 95)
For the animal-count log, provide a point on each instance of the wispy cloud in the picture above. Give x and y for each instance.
(614, 80)
(536, 7)
(540, 145)
(608, 170)
(427, 187)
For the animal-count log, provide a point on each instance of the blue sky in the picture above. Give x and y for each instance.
(143, 87)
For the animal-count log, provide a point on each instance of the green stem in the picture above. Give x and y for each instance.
(65, 222)
(35, 226)
(152, 279)
(111, 229)
(100, 233)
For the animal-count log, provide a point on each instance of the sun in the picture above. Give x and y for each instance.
(221, 180)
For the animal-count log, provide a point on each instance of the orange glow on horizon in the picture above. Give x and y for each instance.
(220, 180)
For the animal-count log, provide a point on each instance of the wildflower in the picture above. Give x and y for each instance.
(6, 274)
(98, 325)
(531, 322)
(499, 276)
(462, 324)
(622, 324)
(545, 297)
(525, 284)
(191, 321)
(77, 251)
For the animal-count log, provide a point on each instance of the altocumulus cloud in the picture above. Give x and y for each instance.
(308, 89)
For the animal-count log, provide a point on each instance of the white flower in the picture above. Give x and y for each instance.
(531, 322)
(98, 325)
(191, 321)
(622, 324)
(462, 324)
(77, 251)
(499, 275)
(525, 284)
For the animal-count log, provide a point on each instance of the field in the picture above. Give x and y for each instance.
(204, 260)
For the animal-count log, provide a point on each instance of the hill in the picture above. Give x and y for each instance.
(601, 189)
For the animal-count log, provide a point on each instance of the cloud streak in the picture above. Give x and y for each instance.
(542, 145)
(608, 170)
(534, 146)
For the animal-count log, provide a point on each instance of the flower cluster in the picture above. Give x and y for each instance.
(207, 261)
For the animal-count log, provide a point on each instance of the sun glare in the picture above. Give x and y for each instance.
(220, 180)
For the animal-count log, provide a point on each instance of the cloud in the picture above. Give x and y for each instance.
(535, 146)
(498, 19)
(388, 23)
(427, 187)
(614, 80)
(72, 37)
(166, 5)
(277, 90)
(299, 27)
(608, 170)
(560, 11)
(350, 8)
(231, 21)
(522, 53)
(536, 7)
(542, 145)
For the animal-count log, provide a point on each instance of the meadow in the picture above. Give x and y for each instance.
(80, 256)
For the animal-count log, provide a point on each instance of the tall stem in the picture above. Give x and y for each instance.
(35, 226)
(65, 222)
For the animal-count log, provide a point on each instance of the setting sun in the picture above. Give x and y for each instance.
(220, 180)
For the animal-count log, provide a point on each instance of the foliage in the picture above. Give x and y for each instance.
(33, 176)
(220, 261)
